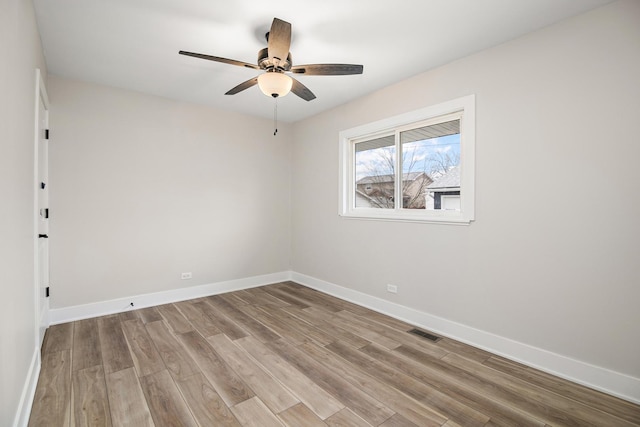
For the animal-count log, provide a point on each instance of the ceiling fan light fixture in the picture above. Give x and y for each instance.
(275, 84)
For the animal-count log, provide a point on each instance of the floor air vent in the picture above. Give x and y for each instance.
(426, 335)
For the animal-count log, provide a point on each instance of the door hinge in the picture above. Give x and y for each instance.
(42, 236)
(46, 213)
(46, 134)
(46, 292)
(42, 185)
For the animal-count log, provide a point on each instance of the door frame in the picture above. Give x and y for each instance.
(41, 312)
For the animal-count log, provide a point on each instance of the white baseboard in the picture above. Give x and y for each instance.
(602, 379)
(102, 308)
(28, 392)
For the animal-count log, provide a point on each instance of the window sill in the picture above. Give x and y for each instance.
(446, 218)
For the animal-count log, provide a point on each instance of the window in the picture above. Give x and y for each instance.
(418, 166)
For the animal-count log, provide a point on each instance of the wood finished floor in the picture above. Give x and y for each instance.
(286, 355)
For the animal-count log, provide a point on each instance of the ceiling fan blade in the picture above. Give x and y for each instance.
(242, 86)
(327, 69)
(302, 91)
(219, 59)
(279, 40)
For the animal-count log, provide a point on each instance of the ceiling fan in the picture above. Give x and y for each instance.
(275, 60)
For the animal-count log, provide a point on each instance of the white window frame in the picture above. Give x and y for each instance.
(465, 107)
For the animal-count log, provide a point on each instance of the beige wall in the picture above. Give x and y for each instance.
(21, 55)
(144, 188)
(552, 258)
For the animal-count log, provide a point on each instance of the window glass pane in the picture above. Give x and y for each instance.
(431, 167)
(375, 161)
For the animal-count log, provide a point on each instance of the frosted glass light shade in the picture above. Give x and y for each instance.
(275, 84)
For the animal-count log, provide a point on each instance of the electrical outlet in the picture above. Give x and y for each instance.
(185, 276)
(392, 288)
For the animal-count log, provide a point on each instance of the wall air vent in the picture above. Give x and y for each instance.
(426, 335)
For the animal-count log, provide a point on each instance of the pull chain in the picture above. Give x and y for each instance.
(275, 116)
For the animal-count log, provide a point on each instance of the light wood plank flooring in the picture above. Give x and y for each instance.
(286, 355)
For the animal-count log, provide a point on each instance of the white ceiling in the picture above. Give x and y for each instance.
(134, 44)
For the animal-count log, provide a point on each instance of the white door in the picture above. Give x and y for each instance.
(42, 210)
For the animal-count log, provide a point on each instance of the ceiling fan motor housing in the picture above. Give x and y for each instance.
(266, 63)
